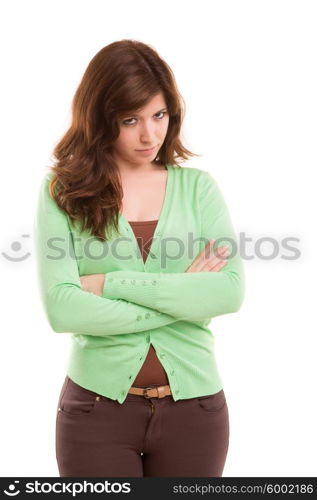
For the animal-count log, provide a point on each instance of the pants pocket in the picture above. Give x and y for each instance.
(213, 402)
(76, 400)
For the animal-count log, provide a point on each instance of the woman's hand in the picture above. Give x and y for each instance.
(93, 283)
(206, 260)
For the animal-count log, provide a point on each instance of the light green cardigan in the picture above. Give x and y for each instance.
(155, 302)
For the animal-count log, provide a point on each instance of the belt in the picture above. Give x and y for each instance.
(151, 392)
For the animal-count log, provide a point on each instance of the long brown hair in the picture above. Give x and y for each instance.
(121, 78)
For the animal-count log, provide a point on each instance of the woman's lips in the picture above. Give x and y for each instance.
(146, 151)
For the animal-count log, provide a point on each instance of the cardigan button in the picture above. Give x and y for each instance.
(177, 391)
(109, 279)
(123, 281)
(147, 315)
(133, 282)
(143, 282)
(154, 282)
(138, 318)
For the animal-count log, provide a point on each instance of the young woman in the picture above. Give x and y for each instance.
(135, 255)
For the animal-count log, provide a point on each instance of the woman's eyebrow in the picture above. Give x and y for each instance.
(163, 109)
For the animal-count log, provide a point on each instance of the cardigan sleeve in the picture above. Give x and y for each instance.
(187, 295)
(68, 308)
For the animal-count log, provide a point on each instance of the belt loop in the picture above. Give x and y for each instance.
(161, 391)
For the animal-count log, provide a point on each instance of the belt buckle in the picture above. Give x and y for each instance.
(145, 392)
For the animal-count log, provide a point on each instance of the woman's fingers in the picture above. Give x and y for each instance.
(215, 262)
(214, 267)
(197, 262)
(209, 259)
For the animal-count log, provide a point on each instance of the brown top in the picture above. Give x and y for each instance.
(152, 371)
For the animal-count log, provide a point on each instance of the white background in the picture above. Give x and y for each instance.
(247, 72)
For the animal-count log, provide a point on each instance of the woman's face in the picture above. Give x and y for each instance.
(141, 131)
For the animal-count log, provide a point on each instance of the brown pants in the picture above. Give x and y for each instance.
(98, 437)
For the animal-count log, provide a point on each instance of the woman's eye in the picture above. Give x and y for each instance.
(125, 122)
(162, 113)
